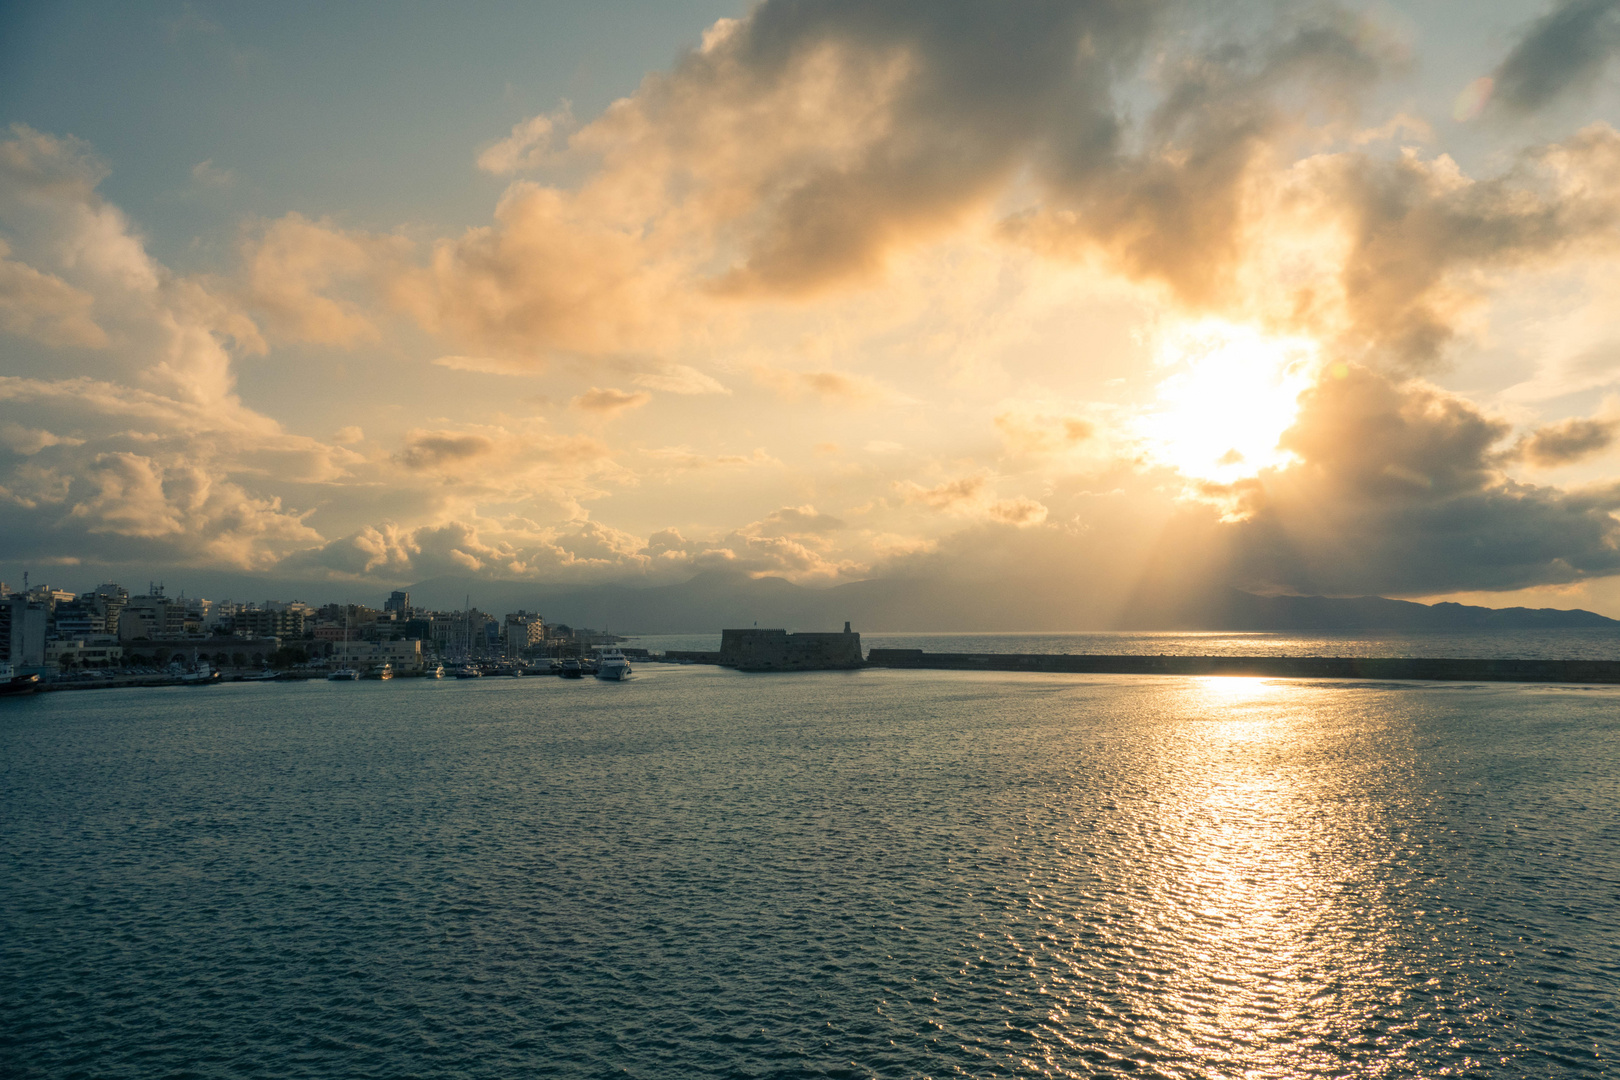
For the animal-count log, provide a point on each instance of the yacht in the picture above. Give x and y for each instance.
(434, 672)
(571, 668)
(468, 671)
(384, 672)
(342, 674)
(611, 664)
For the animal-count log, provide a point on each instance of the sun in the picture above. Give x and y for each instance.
(1228, 395)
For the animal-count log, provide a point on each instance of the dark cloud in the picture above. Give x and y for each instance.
(981, 86)
(1397, 491)
(1568, 441)
(438, 449)
(1564, 50)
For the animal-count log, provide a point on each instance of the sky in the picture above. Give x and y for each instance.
(1110, 301)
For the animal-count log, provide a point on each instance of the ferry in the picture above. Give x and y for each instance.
(611, 664)
(12, 684)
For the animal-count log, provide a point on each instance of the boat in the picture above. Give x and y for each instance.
(260, 676)
(434, 672)
(12, 684)
(571, 668)
(384, 672)
(342, 674)
(468, 671)
(199, 674)
(611, 664)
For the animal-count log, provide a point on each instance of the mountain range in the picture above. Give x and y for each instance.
(717, 599)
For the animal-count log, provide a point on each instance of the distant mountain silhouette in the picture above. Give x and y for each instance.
(717, 599)
(1246, 611)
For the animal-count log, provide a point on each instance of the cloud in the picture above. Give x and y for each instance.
(527, 146)
(1414, 227)
(426, 450)
(30, 441)
(294, 265)
(1021, 511)
(1027, 432)
(680, 379)
(796, 521)
(1568, 441)
(838, 386)
(1563, 51)
(1398, 490)
(947, 496)
(44, 307)
(678, 459)
(609, 402)
(207, 174)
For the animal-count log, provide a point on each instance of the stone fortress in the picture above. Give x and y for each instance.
(778, 650)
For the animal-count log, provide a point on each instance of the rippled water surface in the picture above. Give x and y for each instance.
(876, 873)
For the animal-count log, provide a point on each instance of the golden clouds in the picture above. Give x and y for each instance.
(609, 402)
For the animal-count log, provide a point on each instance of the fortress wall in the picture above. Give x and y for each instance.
(778, 650)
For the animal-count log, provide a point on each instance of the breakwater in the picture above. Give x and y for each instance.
(1287, 667)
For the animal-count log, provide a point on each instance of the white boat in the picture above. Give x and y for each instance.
(199, 674)
(342, 674)
(434, 672)
(611, 664)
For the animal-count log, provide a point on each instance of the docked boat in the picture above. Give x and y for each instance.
(468, 671)
(260, 676)
(385, 672)
(434, 672)
(12, 684)
(343, 674)
(572, 668)
(611, 664)
(200, 673)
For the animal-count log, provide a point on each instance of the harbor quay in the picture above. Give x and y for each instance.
(777, 650)
(1394, 668)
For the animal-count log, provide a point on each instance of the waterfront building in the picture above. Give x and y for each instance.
(286, 623)
(24, 623)
(90, 651)
(404, 655)
(152, 616)
(522, 630)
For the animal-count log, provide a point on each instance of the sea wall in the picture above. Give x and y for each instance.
(1290, 667)
(778, 650)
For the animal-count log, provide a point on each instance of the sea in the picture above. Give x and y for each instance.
(878, 873)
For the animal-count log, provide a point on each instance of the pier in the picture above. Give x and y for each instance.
(1431, 669)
